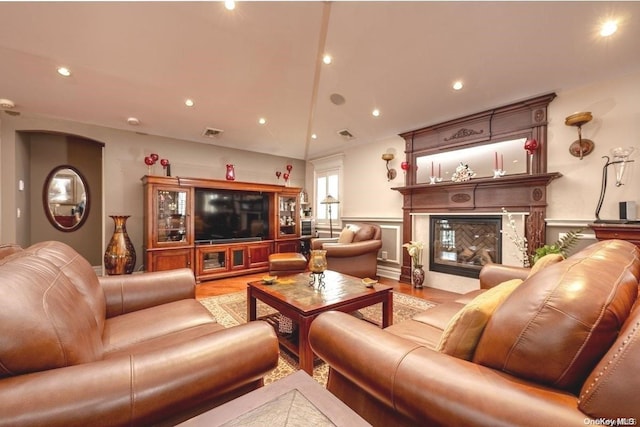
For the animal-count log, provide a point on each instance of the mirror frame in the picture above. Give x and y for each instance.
(45, 199)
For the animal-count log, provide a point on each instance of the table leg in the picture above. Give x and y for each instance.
(387, 311)
(251, 306)
(304, 348)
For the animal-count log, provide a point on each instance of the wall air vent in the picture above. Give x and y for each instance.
(346, 134)
(211, 132)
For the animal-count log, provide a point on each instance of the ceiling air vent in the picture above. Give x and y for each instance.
(211, 132)
(346, 134)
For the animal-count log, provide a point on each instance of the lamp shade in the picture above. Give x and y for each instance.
(329, 200)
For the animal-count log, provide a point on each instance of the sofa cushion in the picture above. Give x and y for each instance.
(142, 326)
(45, 322)
(556, 326)
(346, 235)
(463, 332)
(545, 261)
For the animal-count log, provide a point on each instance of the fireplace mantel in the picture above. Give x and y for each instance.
(520, 192)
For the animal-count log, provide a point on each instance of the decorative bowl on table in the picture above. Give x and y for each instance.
(269, 280)
(369, 282)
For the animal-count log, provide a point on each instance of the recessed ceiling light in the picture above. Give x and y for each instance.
(262, 120)
(457, 85)
(64, 71)
(314, 136)
(189, 103)
(608, 28)
(375, 113)
(327, 59)
(7, 103)
(133, 121)
(230, 4)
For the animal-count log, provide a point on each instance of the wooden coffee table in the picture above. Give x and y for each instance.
(293, 297)
(294, 400)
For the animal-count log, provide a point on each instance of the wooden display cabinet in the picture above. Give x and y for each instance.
(170, 226)
(288, 221)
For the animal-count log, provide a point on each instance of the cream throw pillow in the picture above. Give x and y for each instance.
(346, 235)
(463, 331)
(544, 262)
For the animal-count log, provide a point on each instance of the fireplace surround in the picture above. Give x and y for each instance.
(523, 192)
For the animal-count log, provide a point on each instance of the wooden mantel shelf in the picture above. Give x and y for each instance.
(514, 192)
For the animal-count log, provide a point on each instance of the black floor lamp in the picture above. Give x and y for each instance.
(620, 159)
(330, 200)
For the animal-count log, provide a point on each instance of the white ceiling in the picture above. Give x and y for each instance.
(263, 59)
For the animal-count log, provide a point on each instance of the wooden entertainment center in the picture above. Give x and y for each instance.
(217, 228)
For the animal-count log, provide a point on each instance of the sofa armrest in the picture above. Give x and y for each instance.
(432, 388)
(493, 274)
(143, 389)
(132, 292)
(317, 242)
(344, 250)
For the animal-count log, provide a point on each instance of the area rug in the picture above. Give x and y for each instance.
(231, 310)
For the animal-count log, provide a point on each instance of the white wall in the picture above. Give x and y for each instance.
(616, 122)
(124, 167)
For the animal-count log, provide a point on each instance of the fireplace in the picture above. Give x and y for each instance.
(461, 245)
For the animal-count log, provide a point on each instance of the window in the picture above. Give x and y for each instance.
(328, 173)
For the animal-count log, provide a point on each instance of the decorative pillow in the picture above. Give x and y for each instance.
(544, 262)
(363, 233)
(346, 235)
(463, 331)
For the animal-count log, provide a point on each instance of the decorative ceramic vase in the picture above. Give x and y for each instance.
(231, 173)
(318, 261)
(120, 256)
(417, 274)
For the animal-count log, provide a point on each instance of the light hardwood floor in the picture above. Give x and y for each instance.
(236, 284)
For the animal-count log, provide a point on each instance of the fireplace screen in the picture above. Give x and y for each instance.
(461, 245)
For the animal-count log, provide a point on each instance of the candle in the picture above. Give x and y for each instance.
(432, 169)
(495, 160)
(439, 171)
(501, 162)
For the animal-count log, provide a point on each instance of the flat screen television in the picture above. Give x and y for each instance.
(230, 215)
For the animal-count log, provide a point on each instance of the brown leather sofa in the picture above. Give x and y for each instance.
(562, 349)
(78, 350)
(357, 255)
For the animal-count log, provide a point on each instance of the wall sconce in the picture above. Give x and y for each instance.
(391, 173)
(620, 160)
(581, 147)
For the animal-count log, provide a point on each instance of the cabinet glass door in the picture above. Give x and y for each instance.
(213, 260)
(171, 220)
(287, 215)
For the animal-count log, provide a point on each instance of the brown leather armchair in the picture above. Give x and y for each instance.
(562, 349)
(355, 251)
(77, 349)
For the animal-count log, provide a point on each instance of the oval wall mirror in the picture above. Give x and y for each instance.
(66, 198)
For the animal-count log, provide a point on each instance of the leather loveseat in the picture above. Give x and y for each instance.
(355, 251)
(81, 350)
(561, 349)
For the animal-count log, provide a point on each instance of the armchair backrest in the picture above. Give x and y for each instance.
(78, 271)
(45, 322)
